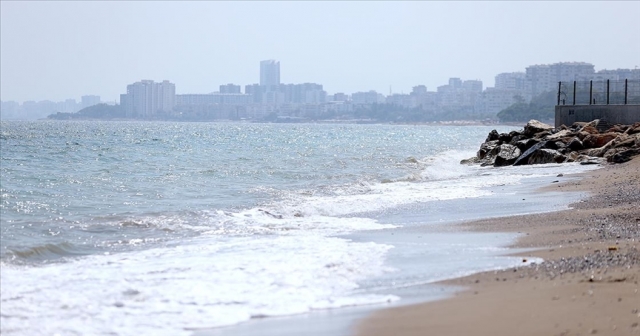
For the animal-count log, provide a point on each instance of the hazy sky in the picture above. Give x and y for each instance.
(59, 50)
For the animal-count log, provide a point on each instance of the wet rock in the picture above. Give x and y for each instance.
(544, 155)
(540, 143)
(470, 161)
(505, 138)
(507, 155)
(625, 156)
(515, 139)
(524, 145)
(572, 157)
(590, 161)
(493, 135)
(486, 148)
(524, 158)
(554, 145)
(608, 155)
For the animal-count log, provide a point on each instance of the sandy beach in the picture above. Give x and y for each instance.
(588, 283)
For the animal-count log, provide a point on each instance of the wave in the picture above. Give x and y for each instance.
(50, 251)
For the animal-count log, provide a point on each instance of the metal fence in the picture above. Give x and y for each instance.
(601, 92)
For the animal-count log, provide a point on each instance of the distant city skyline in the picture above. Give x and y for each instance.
(346, 46)
(270, 74)
(149, 100)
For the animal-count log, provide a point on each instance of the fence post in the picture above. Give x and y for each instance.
(574, 92)
(590, 91)
(607, 92)
(625, 90)
(559, 88)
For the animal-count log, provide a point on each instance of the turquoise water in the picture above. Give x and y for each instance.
(163, 228)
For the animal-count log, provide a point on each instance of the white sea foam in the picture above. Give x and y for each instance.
(282, 257)
(203, 284)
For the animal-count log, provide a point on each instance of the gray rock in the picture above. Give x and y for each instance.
(575, 144)
(505, 138)
(507, 155)
(625, 155)
(493, 135)
(470, 161)
(524, 158)
(486, 148)
(544, 155)
(535, 126)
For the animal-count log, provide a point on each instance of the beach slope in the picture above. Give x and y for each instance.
(588, 283)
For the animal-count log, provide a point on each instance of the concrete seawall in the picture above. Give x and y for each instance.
(613, 114)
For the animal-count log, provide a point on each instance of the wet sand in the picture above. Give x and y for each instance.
(588, 283)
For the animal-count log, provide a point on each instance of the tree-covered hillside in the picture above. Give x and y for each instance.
(541, 107)
(100, 111)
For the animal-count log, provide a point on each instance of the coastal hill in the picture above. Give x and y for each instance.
(100, 111)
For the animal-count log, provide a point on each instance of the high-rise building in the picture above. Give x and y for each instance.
(510, 81)
(89, 100)
(230, 88)
(270, 74)
(145, 99)
(545, 77)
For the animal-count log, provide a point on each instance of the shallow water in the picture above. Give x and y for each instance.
(160, 227)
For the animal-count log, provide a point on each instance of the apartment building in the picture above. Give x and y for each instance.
(147, 99)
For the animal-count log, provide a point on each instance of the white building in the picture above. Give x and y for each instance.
(511, 81)
(213, 99)
(89, 100)
(269, 73)
(371, 97)
(545, 77)
(147, 99)
(494, 100)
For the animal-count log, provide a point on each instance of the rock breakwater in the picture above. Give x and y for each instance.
(537, 143)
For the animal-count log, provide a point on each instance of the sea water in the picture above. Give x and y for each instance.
(164, 228)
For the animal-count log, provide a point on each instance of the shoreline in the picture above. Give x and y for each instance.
(443, 219)
(588, 283)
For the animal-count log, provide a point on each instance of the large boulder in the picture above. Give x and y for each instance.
(598, 140)
(486, 148)
(633, 129)
(588, 130)
(505, 138)
(560, 135)
(592, 125)
(624, 140)
(493, 135)
(524, 158)
(624, 156)
(525, 144)
(544, 155)
(575, 144)
(534, 126)
(608, 155)
(507, 155)
(572, 157)
(618, 128)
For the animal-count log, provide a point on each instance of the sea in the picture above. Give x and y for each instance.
(169, 228)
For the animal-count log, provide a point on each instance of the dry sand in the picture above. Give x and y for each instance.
(588, 283)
